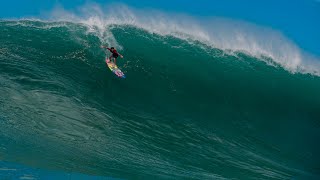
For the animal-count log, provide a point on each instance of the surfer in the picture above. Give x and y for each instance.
(114, 54)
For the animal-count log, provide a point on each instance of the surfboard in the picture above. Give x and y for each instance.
(114, 68)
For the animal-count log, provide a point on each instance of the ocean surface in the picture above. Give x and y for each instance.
(186, 110)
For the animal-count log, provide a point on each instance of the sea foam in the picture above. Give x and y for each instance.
(217, 32)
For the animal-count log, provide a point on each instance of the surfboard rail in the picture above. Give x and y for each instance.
(114, 68)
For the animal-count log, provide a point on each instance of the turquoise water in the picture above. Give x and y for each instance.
(185, 110)
(17, 171)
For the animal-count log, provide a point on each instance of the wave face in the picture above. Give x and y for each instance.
(185, 110)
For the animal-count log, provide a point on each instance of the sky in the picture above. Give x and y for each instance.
(299, 20)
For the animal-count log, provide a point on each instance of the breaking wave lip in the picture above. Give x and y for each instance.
(216, 32)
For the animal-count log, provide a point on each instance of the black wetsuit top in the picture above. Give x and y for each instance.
(114, 52)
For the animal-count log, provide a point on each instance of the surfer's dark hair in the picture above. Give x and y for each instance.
(112, 48)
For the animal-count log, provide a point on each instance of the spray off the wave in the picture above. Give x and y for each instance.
(222, 33)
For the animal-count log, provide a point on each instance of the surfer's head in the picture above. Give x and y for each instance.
(112, 48)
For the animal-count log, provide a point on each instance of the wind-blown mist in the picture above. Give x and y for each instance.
(226, 34)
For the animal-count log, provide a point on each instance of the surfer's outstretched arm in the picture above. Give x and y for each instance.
(105, 47)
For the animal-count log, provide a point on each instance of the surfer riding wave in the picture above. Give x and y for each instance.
(115, 54)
